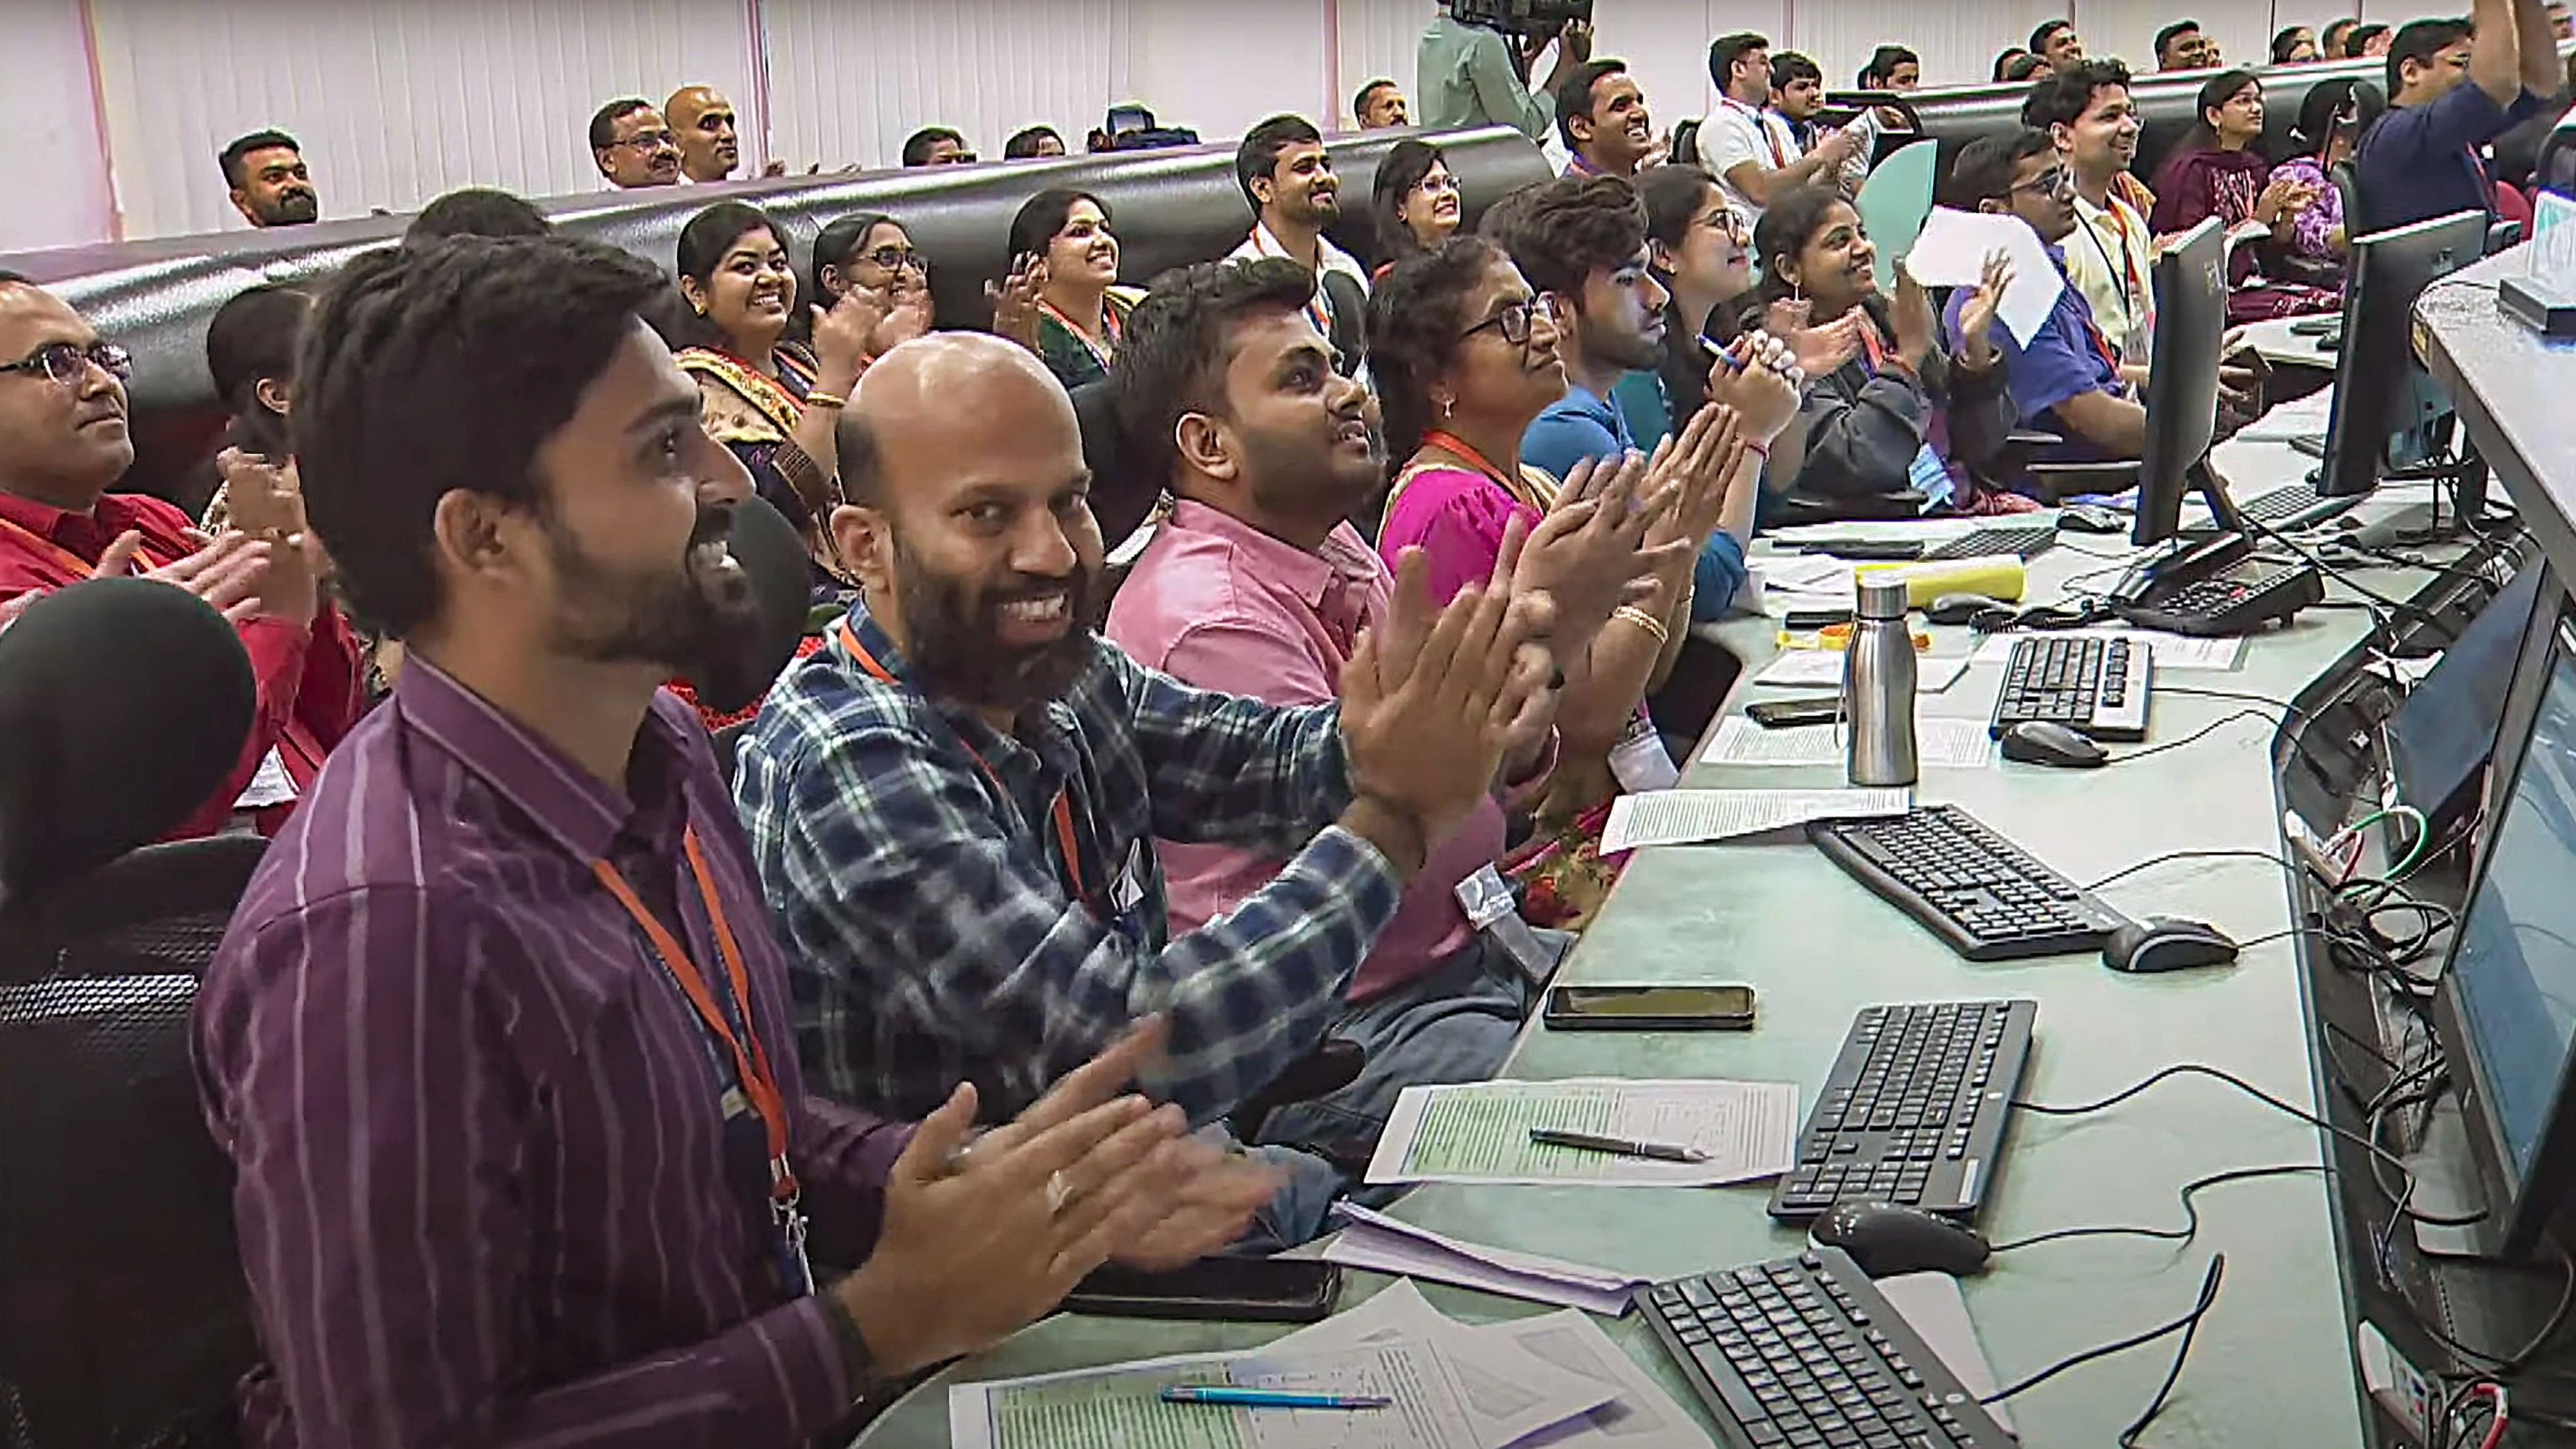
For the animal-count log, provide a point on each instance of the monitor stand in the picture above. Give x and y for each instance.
(2446, 1187)
(2194, 550)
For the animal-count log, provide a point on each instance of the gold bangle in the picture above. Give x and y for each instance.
(826, 400)
(1643, 620)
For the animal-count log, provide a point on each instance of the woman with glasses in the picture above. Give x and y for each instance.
(869, 252)
(1064, 253)
(2331, 121)
(1899, 427)
(1414, 201)
(2217, 170)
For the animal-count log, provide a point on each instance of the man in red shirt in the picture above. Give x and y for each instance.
(63, 442)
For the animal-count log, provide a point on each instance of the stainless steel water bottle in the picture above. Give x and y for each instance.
(1878, 687)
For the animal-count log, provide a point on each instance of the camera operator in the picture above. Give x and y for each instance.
(1470, 73)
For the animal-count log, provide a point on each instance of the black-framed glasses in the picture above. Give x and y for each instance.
(649, 140)
(2055, 181)
(1513, 319)
(66, 363)
(890, 258)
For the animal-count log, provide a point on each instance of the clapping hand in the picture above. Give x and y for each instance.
(1692, 474)
(844, 336)
(1977, 314)
(266, 502)
(1761, 385)
(1587, 550)
(907, 312)
(1015, 300)
(225, 572)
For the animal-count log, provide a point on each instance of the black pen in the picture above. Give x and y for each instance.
(1624, 1147)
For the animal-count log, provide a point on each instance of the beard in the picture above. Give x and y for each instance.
(698, 618)
(293, 208)
(1293, 478)
(955, 644)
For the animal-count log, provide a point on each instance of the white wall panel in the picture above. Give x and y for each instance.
(393, 102)
(1379, 38)
(57, 157)
(2127, 28)
(1221, 66)
(1958, 41)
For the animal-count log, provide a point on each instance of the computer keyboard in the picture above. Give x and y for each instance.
(2086, 682)
(2026, 541)
(1805, 1353)
(1982, 894)
(2249, 595)
(2280, 504)
(1914, 1111)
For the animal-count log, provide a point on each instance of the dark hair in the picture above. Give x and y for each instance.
(1359, 102)
(1024, 144)
(446, 366)
(2357, 40)
(1043, 215)
(1399, 171)
(2063, 98)
(712, 232)
(10, 278)
(1574, 98)
(2216, 91)
(1415, 316)
(1560, 232)
(916, 147)
(233, 155)
(2331, 107)
(2171, 33)
(603, 122)
(1883, 63)
(254, 337)
(2047, 32)
(836, 244)
(2330, 40)
(1174, 350)
(1789, 66)
(2419, 42)
(1673, 195)
(2004, 60)
(2285, 41)
(2026, 65)
(1257, 159)
(1726, 50)
(477, 211)
(1984, 170)
(1787, 225)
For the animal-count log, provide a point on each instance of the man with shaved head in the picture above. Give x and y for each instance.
(953, 805)
(702, 121)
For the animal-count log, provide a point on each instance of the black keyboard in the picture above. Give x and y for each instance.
(2249, 595)
(1805, 1353)
(1984, 895)
(2086, 682)
(2296, 505)
(1915, 1109)
(2026, 540)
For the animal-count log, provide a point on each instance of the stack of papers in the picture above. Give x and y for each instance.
(1688, 817)
(1479, 1132)
(1555, 1380)
(1951, 744)
(2172, 651)
(1823, 669)
(1383, 1245)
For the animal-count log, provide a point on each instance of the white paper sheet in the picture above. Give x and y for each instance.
(1508, 1393)
(1950, 744)
(2299, 418)
(2173, 652)
(1479, 1132)
(1688, 817)
(1952, 252)
(1382, 1244)
(1823, 669)
(1643, 1416)
(1804, 572)
(269, 785)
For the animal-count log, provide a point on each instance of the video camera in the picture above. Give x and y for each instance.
(1521, 17)
(1131, 127)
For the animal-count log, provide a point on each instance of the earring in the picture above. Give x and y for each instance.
(1447, 406)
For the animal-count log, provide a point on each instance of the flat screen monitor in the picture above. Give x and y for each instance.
(2378, 388)
(2182, 386)
(2440, 740)
(2507, 999)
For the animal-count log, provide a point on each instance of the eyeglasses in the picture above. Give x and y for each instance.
(67, 363)
(2055, 181)
(891, 258)
(650, 140)
(1513, 320)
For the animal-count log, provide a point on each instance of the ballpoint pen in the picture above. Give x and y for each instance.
(1270, 1398)
(1624, 1147)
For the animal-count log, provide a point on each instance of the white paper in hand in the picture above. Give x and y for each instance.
(1952, 252)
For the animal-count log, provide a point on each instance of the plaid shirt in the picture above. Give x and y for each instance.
(933, 928)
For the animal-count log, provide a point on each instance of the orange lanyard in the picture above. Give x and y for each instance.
(750, 1061)
(1449, 442)
(1062, 811)
(67, 560)
(1100, 351)
(1770, 138)
(1317, 311)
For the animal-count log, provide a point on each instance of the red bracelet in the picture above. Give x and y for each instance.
(1759, 449)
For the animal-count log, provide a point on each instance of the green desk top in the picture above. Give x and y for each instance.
(2273, 1360)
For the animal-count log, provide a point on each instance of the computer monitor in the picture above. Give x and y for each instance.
(2182, 386)
(2441, 738)
(2378, 387)
(2506, 1003)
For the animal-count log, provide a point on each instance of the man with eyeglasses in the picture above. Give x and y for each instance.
(2427, 157)
(2087, 111)
(2066, 379)
(64, 441)
(633, 147)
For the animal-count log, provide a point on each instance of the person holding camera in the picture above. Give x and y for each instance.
(1470, 73)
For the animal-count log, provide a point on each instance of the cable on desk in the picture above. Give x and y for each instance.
(2195, 737)
(2188, 1321)
(2395, 607)
(2170, 856)
(2182, 1354)
(2294, 712)
(2191, 1211)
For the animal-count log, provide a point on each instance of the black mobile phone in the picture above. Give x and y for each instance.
(1816, 618)
(1225, 1290)
(1867, 550)
(1774, 714)
(1650, 1008)
(2316, 326)
(2310, 444)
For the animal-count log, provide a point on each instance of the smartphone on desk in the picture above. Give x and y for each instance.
(1223, 1290)
(1650, 1008)
(1865, 550)
(1774, 714)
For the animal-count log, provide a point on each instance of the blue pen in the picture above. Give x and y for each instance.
(1270, 1398)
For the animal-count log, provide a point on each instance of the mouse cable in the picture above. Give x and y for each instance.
(2397, 609)
(2200, 1307)
(2292, 710)
(2195, 737)
(2169, 857)
(2182, 1354)
(2504, 1367)
(2191, 1211)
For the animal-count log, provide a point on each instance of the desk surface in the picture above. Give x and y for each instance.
(2273, 1361)
(2283, 347)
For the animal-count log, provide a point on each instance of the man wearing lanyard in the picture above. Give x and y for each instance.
(954, 805)
(63, 443)
(2426, 157)
(1602, 118)
(2066, 379)
(1746, 145)
(2087, 111)
(497, 1041)
(1287, 176)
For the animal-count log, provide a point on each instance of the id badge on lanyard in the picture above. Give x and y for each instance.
(1489, 907)
(1639, 761)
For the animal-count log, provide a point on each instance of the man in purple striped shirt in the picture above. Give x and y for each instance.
(498, 1038)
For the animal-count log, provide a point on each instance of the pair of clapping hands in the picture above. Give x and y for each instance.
(266, 562)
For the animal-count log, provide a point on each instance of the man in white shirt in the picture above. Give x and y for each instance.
(2087, 111)
(1748, 147)
(1287, 176)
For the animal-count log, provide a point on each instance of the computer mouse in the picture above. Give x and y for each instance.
(2092, 518)
(1960, 608)
(2167, 943)
(2041, 742)
(1889, 1241)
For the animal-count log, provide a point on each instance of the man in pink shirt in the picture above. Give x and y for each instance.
(1258, 585)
